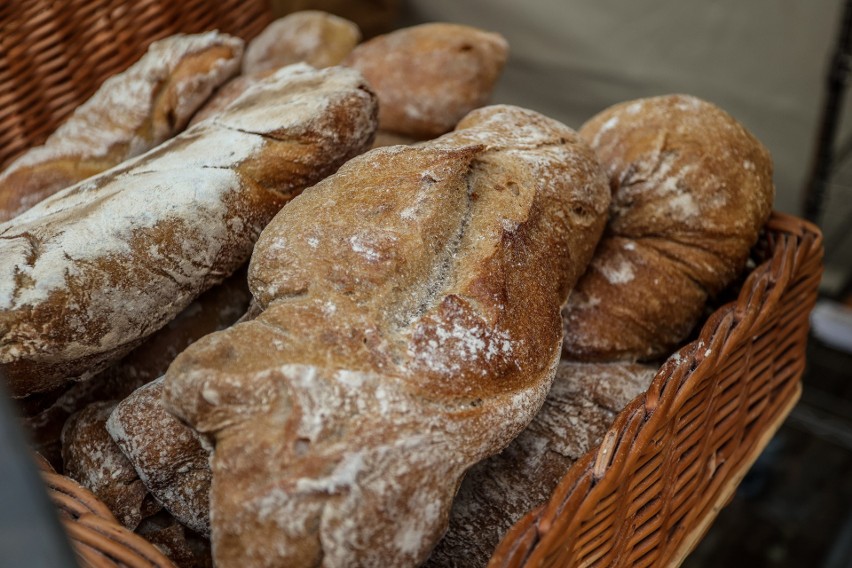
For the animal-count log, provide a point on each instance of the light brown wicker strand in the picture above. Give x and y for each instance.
(761, 339)
(98, 539)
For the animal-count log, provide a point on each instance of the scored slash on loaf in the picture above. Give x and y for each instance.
(87, 274)
(409, 327)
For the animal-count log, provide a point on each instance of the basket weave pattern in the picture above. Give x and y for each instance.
(55, 54)
(674, 455)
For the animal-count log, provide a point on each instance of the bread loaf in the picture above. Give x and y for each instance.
(313, 37)
(167, 455)
(131, 113)
(44, 414)
(497, 492)
(409, 328)
(428, 77)
(317, 38)
(94, 460)
(691, 189)
(88, 274)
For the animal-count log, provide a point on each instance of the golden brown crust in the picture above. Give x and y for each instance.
(317, 38)
(86, 275)
(428, 77)
(691, 188)
(131, 113)
(408, 327)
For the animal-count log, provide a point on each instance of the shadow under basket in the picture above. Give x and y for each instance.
(671, 460)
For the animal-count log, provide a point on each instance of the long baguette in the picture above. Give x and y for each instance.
(89, 273)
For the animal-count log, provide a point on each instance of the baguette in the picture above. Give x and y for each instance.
(408, 327)
(131, 113)
(88, 274)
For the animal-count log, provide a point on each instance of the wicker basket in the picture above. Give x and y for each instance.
(671, 460)
(675, 455)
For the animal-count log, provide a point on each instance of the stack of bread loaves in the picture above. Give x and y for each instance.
(382, 384)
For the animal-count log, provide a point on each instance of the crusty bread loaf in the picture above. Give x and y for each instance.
(428, 77)
(691, 189)
(94, 460)
(167, 454)
(89, 273)
(317, 38)
(44, 414)
(409, 328)
(131, 113)
(498, 491)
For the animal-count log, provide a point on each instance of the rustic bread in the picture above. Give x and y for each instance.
(89, 273)
(409, 327)
(95, 461)
(167, 455)
(498, 491)
(131, 113)
(44, 414)
(691, 189)
(313, 37)
(428, 77)
(317, 38)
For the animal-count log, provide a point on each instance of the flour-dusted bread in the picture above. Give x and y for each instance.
(409, 327)
(94, 460)
(167, 454)
(691, 189)
(131, 113)
(314, 37)
(88, 274)
(428, 77)
(44, 414)
(497, 492)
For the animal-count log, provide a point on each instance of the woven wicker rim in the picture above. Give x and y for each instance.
(548, 536)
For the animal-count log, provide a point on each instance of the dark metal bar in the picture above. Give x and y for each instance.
(823, 159)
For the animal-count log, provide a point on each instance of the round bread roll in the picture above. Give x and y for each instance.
(691, 189)
(428, 77)
(317, 38)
